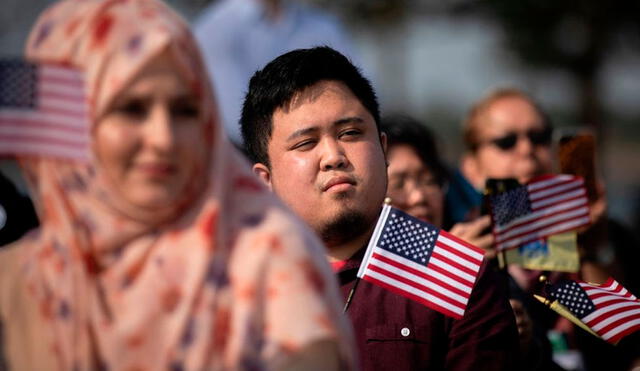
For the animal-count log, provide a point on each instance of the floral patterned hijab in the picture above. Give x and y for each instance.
(225, 278)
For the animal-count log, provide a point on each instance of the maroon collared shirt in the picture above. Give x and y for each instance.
(396, 333)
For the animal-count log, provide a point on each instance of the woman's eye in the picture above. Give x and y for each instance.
(396, 183)
(186, 109)
(428, 182)
(132, 108)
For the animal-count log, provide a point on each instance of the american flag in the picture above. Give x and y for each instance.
(43, 111)
(546, 206)
(608, 309)
(417, 260)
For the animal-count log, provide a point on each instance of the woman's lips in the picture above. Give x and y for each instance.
(421, 214)
(157, 170)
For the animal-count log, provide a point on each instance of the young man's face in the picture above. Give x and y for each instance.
(327, 161)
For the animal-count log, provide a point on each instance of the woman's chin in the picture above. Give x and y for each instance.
(157, 199)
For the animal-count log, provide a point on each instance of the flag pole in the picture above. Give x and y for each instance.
(353, 290)
(502, 260)
(561, 309)
(564, 312)
(387, 201)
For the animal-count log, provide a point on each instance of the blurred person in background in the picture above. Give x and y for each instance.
(507, 135)
(161, 250)
(311, 126)
(418, 180)
(237, 37)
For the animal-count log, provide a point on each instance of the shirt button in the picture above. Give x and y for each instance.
(405, 331)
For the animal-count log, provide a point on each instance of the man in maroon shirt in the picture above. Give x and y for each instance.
(310, 123)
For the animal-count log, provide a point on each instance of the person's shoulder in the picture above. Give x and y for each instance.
(254, 210)
(280, 221)
(11, 257)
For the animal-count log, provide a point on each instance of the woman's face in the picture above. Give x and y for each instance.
(512, 143)
(412, 187)
(150, 142)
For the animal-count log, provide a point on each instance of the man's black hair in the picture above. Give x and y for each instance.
(282, 79)
(402, 129)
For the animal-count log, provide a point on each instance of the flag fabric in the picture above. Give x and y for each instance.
(421, 262)
(554, 253)
(43, 111)
(545, 206)
(609, 309)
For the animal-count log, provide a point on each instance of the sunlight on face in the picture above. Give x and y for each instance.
(525, 159)
(327, 161)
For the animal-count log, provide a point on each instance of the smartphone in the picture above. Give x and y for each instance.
(577, 156)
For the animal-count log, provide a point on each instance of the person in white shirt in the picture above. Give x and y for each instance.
(238, 37)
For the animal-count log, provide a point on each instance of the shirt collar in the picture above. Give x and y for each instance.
(354, 261)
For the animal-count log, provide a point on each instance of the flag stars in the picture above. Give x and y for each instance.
(408, 237)
(572, 296)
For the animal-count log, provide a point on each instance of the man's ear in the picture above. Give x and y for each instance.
(263, 172)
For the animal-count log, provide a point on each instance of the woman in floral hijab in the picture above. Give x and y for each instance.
(160, 250)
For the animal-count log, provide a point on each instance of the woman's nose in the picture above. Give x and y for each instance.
(416, 195)
(524, 145)
(159, 133)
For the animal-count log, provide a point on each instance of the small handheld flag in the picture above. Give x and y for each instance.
(43, 111)
(608, 310)
(554, 253)
(421, 262)
(546, 206)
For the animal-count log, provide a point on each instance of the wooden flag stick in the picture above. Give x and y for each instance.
(566, 313)
(387, 201)
(353, 290)
(502, 260)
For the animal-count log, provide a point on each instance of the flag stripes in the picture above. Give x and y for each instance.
(392, 263)
(617, 311)
(609, 309)
(414, 294)
(557, 204)
(422, 263)
(45, 111)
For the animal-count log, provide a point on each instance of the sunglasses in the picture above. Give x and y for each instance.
(537, 137)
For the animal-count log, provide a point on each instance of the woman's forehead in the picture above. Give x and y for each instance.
(509, 114)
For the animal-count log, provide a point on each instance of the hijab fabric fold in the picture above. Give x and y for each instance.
(225, 278)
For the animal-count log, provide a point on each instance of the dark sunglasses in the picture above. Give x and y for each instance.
(539, 137)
